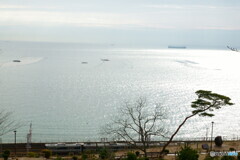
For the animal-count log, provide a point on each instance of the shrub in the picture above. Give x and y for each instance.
(137, 153)
(74, 157)
(131, 156)
(166, 151)
(31, 154)
(6, 154)
(47, 153)
(59, 158)
(104, 154)
(218, 141)
(144, 158)
(208, 157)
(187, 153)
(228, 158)
(71, 154)
(84, 156)
(232, 149)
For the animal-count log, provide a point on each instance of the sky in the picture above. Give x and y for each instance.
(136, 22)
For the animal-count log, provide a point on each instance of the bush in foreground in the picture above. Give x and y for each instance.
(59, 158)
(31, 154)
(208, 157)
(6, 154)
(228, 158)
(47, 153)
(131, 156)
(218, 141)
(106, 154)
(74, 158)
(187, 153)
(137, 153)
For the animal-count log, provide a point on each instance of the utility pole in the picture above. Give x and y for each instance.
(29, 138)
(0, 145)
(15, 142)
(212, 135)
(207, 134)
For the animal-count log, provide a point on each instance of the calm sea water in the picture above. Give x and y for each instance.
(69, 101)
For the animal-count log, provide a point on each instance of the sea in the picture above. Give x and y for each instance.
(69, 91)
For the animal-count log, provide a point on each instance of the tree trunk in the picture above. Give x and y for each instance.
(171, 138)
(145, 153)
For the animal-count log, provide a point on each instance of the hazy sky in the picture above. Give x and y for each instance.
(215, 22)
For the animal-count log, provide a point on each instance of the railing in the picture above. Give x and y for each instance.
(225, 138)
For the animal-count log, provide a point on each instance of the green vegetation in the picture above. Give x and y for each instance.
(228, 158)
(47, 153)
(6, 154)
(74, 158)
(143, 158)
(106, 154)
(137, 153)
(103, 154)
(131, 156)
(31, 154)
(166, 151)
(218, 141)
(187, 153)
(208, 157)
(84, 156)
(59, 158)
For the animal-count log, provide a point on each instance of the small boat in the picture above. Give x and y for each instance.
(16, 60)
(105, 60)
(84, 62)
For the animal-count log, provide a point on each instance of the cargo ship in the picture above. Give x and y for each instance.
(177, 47)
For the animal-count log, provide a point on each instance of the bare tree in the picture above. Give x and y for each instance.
(7, 123)
(203, 105)
(136, 123)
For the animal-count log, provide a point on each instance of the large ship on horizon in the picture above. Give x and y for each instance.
(177, 47)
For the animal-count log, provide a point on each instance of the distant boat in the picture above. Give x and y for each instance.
(16, 60)
(105, 60)
(232, 49)
(177, 47)
(84, 62)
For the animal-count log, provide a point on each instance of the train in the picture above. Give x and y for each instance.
(77, 148)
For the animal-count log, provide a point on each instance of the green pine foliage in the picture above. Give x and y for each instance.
(208, 102)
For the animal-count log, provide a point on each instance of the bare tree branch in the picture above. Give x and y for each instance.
(7, 123)
(135, 124)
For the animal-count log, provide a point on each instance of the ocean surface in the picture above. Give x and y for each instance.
(66, 100)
